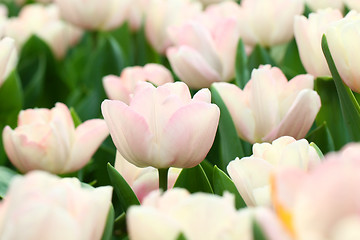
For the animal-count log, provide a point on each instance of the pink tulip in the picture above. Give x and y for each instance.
(266, 22)
(198, 216)
(324, 204)
(270, 106)
(8, 58)
(122, 88)
(163, 127)
(142, 180)
(43, 206)
(205, 50)
(162, 14)
(94, 14)
(46, 139)
(343, 39)
(308, 35)
(251, 175)
(136, 13)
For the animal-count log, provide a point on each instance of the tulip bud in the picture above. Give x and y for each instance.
(42, 206)
(163, 127)
(122, 88)
(251, 175)
(46, 139)
(8, 58)
(270, 106)
(308, 35)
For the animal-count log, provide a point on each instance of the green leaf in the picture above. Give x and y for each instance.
(108, 230)
(242, 74)
(258, 233)
(259, 56)
(349, 106)
(124, 192)
(318, 151)
(230, 146)
(6, 175)
(194, 180)
(222, 183)
(181, 237)
(291, 64)
(322, 137)
(75, 117)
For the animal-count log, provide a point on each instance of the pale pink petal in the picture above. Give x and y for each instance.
(115, 90)
(204, 95)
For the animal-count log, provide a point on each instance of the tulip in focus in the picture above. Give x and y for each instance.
(143, 180)
(308, 34)
(198, 216)
(94, 14)
(323, 204)
(162, 14)
(122, 88)
(268, 22)
(205, 50)
(251, 175)
(343, 39)
(8, 58)
(46, 139)
(270, 106)
(323, 4)
(163, 127)
(42, 206)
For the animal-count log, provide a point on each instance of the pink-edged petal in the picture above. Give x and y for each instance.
(11, 149)
(157, 74)
(299, 118)
(192, 68)
(115, 90)
(88, 137)
(127, 170)
(204, 95)
(188, 136)
(29, 116)
(129, 131)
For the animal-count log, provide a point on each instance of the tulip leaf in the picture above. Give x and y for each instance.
(120, 225)
(108, 230)
(181, 237)
(122, 36)
(349, 106)
(6, 175)
(75, 117)
(258, 233)
(242, 74)
(222, 183)
(194, 180)
(259, 56)
(291, 64)
(330, 112)
(230, 146)
(124, 192)
(318, 151)
(322, 137)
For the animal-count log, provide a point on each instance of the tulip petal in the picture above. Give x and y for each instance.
(115, 90)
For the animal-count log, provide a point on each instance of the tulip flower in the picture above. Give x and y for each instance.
(122, 88)
(136, 13)
(270, 106)
(162, 14)
(317, 205)
(142, 180)
(353, 4)
(323, 4)
(251, 175)
(213, 2)
(166, 216)
(343, 39)
(8, 58)
(308, 34)
(205, 51)
(93, 14)
(46, 139)
(163, 127)
(43, 21)
(42, 206)
(266, 22)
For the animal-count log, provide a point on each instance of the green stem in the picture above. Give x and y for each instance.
(163, 178)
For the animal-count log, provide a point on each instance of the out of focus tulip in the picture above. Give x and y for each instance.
(197, 216)
(323, 204)
(209, 2)
(22, 2)
(308, 34)
(268, 22)
(136, 13)
(46, 139)
(162, 14)
(122, 88)
(270, 106)
(43, 21)
(142, 180)
(343, 38)
(94, 14)
(251, 175)
(8, 58)
(205, 51)
(353, 5)
(163, 127)
(42, 206)
(322, 4)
